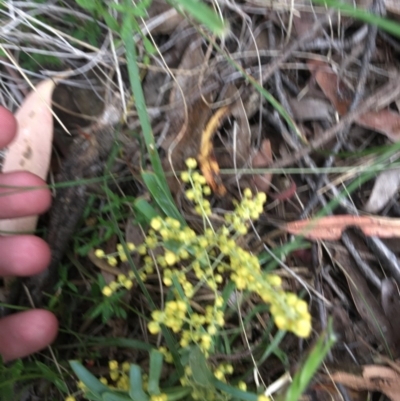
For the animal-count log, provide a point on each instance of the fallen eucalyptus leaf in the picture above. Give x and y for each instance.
(31, 148)
(331, 227)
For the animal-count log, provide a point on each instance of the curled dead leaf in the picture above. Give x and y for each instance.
(373, 378)
(208, 165)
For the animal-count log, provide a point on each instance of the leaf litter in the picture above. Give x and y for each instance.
(202, 104)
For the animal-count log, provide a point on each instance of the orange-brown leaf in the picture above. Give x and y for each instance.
(331, 227)
(208, 165)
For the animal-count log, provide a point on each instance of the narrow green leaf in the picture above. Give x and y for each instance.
(136, 384)
(145, 211)
(115, 397)
(134, 79)
(176, 393)
(90, 381)
(306, 372)
(161, 196)
(234, 391)
(156, 362)
(202, 13)
(202, 374)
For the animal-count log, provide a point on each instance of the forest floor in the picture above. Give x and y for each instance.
(243, 220)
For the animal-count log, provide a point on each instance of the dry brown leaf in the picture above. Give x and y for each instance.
(373, 378)
(331, 227)
(386, 121)
(386, 185)
(31, 149)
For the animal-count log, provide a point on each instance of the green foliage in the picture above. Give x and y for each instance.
(132, 387)
(201, 12)
(205, 257)
(37, 61)
(314, 359)
(23, 373)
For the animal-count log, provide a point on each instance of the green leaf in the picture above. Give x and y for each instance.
(111, 22)
(176, 393)
(234, 391)
(202, 13)
(136, 384)
(306, 372)
(162, 196)
(115, 397)
(88, 4)
(202, 374)
(145, 211)
(156, 362)
(90, 381)
(128, 27)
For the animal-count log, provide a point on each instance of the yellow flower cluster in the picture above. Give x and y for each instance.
(125, 281)
(194, 327)
(122, 281)
(212, 256)
(118, 374)
(200, 392)
(222, 370)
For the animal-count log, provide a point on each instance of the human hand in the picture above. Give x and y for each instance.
(22, 255)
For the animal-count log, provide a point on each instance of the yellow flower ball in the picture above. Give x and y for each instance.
(242, 386)
(112, 261)
(247, 193)
(99, 253)
(191, 163)
(156, 223)
(301, 307)
(185, 176)
(302, 328)
(114, 375)
(281, 322)
(107, 291)
(219, 375)
(114, 286)
(126, 367)
(170, 258)
(154, 327)
(128, 284)
(113, 365)
(70, 398)
(167, 281)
